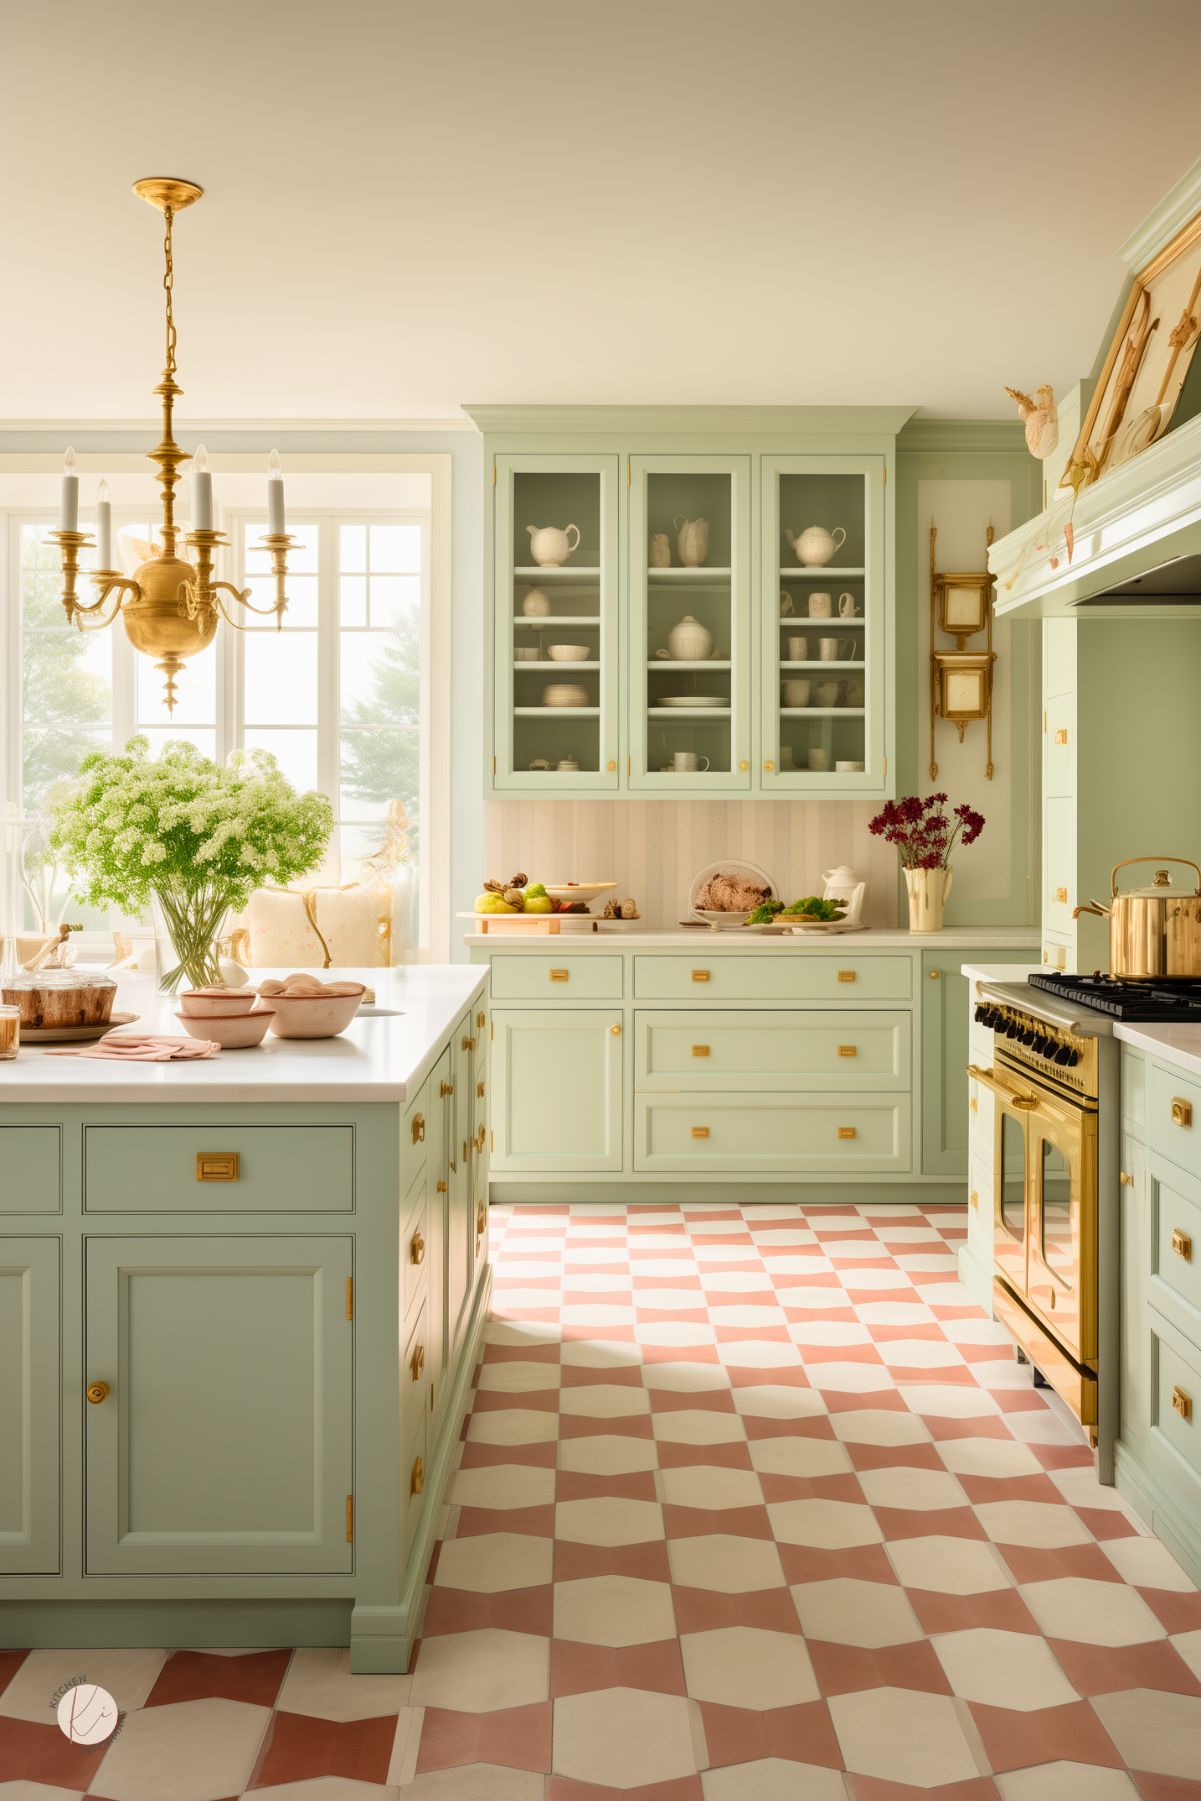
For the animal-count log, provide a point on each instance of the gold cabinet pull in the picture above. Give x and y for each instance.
(479, 1091)
(97, 1392)
(1182, 1402)
(418, 1128)
(848, 1132)
(1061, 895)
(481, 1019)
(1182, 1244)
(700, 1050)
(468, 1044)
(417, 1476)
(848, 1050)
(768, 763)
(700, 1131)
(1182, 1112)
(218, 1166)
(445, 1088)
(441, 1187)
(1125, 1178)
(417, 1362)
(973, 1199)
(700, 975)
(846, 975)
(558, 975)
(417, 1248)
(611, 765)
(481, 1220)
(935, 975)
(615, 1031)
(743, 764)
(973, 1105)
(1061, 736)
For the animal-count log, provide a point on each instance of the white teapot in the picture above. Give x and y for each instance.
(844, 884)
(689, 641)
(550, 546)
(815, 545)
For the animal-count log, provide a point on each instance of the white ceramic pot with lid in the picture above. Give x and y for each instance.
(689, 641)
(845, 885)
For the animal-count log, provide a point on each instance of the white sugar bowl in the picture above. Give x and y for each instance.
(689, 641)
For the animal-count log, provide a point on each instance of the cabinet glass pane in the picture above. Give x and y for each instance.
(690, 633)
(1055, 1212)
(553, 640)
(822, 671)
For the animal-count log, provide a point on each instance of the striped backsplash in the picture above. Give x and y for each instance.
(653, 848)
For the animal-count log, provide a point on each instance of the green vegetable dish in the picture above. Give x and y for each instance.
(813, 907)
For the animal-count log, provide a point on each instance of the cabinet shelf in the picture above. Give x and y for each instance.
(803, 622)
(541, 668)
(555, 572)
(822, 712)
(688, 712)
(556, 712)
(670, 666)
(852, 664)
(698, 577)
(547, 620)
(830, 574)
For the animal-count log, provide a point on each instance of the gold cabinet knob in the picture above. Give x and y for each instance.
(611, 765)
(417, 1476)
(1182, 1403)
(417, 1248)
(973, 1199)
(418, 1128)
(417, 1362)
(1182, 1244)
(97, 1392)
(935, 975)
(1125, 1178)
(615, 1031)
(768, 763)
(744, 764)
(441, 1187)
(1182, 1112)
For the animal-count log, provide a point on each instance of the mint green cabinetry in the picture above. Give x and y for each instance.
(946, 1017)
(557, 1090)
(225, 1443)
(30, 1169)
(30, 1404)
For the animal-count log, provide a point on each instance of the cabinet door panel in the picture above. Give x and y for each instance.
(946, 1120)
(224, 1445)
(31, 1169)
(30, 1402)
(557, 1087)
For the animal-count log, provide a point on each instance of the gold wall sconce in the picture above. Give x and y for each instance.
(961, 680)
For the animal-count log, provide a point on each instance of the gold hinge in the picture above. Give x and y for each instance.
(629, 474)
(492, 1141)
(494, 472)
(350, 1519)
(1044, 722)
(628, 769)
(886, 475)
(886, 765)
(494, 765)
(491, 1031)
(350, 1297)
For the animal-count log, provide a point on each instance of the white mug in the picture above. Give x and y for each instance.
(825, 694)
(787, 607)
(525, 653)
(848, 606)
(819, 759)
(836, 650)
(686, 760)
(821, 606)
(796, 693)
(798, 650)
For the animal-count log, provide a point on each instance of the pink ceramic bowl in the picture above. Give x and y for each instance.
(205, 1003)
(315, 1015)
(232, 1031)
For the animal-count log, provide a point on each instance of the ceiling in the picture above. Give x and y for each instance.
(412, 205)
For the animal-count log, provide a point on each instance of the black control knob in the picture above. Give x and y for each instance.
(981, 1015)
(1029, 1037)
(1041, 1045)
(1065, 1056)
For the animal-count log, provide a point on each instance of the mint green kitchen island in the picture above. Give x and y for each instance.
(240, 1302)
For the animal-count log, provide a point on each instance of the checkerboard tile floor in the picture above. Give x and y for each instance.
(753, 1505)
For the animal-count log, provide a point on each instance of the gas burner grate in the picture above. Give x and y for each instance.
(1124, 1000)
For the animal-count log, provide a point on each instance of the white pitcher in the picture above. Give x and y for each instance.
(692, 540)
(844, 884)
(550, 545)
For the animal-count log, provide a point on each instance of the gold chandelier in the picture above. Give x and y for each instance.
(170, 607)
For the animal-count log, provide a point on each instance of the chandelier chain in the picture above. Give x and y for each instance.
(168, 289)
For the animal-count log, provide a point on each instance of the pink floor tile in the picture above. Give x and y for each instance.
(801, 1734)
(579, 1669)
(1071, 1733)
(518, 1738)
(204, 1675)
(298, 1747)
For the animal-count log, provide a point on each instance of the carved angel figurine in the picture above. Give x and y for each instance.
(1041, 419)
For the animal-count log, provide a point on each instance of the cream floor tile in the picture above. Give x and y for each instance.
(858, 1281)
(768, 1313)
(726, 1253)
(598, 1353)
(799, 1456)
(608, 1454)
(608, 1520)
(949, 1400)
(975, 1330)
(686, 1378)
(1188, 1644)
(324, 1788)
(1041, 1524)
(402, 1765)
(879, 1426)
(828, 1525)
(514, 1426)
(847, 1611)
(675, 1334)
(699, 1426)
(36, 1791)
(1066, 1782)
(669, 1300)
(738, 1281)
(478, 1782)
(725, 1563)
(1043, 1426)
(893, 1313)
(502, 1485)
(319, 1682)
(920, 1353)
(516, 1333)
(595, 1313)
(128, 1676)
(813, 1298)
(614, 1610)
(828, 1332)
(189, 1751)
(900, 1735)
(1003, 1669)
(851, 1250)
(604, 1400)
(904, 1486)
(1095, 1613)
(850, 1378)
(623, 1737)
(1154, 1730)
(1146, 1563)
(757, 1354)
(478, 1672)
(949, 1566)
(490, 1563)
(1081, 1488)
(989, 1457)
(519, 1378)
(742, 1666)
(812, 1264)
(773, 1779)
(711, 1485)
(778, 1401)
(588, 1281)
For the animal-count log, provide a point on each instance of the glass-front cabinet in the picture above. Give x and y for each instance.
(556, 591)
(824, 618)
(689, 686)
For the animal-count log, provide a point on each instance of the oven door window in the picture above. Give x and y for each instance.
(1011, 1177)
(1056, 1225)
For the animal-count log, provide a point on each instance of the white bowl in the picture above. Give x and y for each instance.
(567, 653)
(207, 1003)
(578, 891)
(721, 921)
(314, 1015)
(232, 1031)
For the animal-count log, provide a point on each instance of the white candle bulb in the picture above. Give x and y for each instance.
(275, 495)
(69, 513)
(104, 527)
(202, 491)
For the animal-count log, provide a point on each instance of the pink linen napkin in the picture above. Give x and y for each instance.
(143, 1047)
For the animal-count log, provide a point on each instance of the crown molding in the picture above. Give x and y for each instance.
(241, 427)
(929, 436)
(1180, 204)
(627, 421)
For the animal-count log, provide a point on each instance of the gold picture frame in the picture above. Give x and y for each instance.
(963, 602)
(1147, 361)
(961, 680)
(964, 683)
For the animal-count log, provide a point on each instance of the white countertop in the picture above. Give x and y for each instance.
(1001, 972)
(380, 1057)
(635, 937)
(1173, 1043)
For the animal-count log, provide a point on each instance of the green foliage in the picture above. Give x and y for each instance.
(65, 704)
(381, 736)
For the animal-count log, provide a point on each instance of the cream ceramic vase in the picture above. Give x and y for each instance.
(928, 890)
(692, 540)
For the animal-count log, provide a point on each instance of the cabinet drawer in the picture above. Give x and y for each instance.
(772, 1051)
(31, 1169)
(579, 978)
(414, 1135)
(1059, 762)
(800, 974)
(1176, 1402)
(1059, 864)
(764, 1133)
(414, 1255)
(1174, 1117)
(218, 1169)
(1176, 1245)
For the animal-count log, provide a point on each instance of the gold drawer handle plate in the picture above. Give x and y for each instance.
(1061, 895)
(1125, 1178)
(1182, 1112)
(417, 1362)
(1061, 736)
(848, 1050)
(1182, 1244)
(847, 1132)
(417, 1248)
(700, 1131)
(700, 975)
(441, 1187)
(218, 1166)
(846, 975)
(558, 975)
(700, 1050)
(97, 1392)
(1182, 1403)
(974, 1198)
(417, 1479)
(418, 1128)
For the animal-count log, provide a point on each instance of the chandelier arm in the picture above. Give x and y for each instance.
(112, 589)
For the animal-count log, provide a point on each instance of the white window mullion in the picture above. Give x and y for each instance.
(328, 679)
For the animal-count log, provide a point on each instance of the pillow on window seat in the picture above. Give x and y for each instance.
(314, 928)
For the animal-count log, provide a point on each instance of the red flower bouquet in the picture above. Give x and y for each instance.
(923, 831)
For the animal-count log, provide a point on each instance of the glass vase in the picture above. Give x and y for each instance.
(188, 925)
(928, 890)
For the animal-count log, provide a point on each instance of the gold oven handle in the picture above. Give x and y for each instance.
(1027, 1103)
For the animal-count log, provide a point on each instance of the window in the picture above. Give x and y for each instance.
(341, 695)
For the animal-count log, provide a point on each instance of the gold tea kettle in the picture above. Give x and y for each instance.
(1154, 932)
